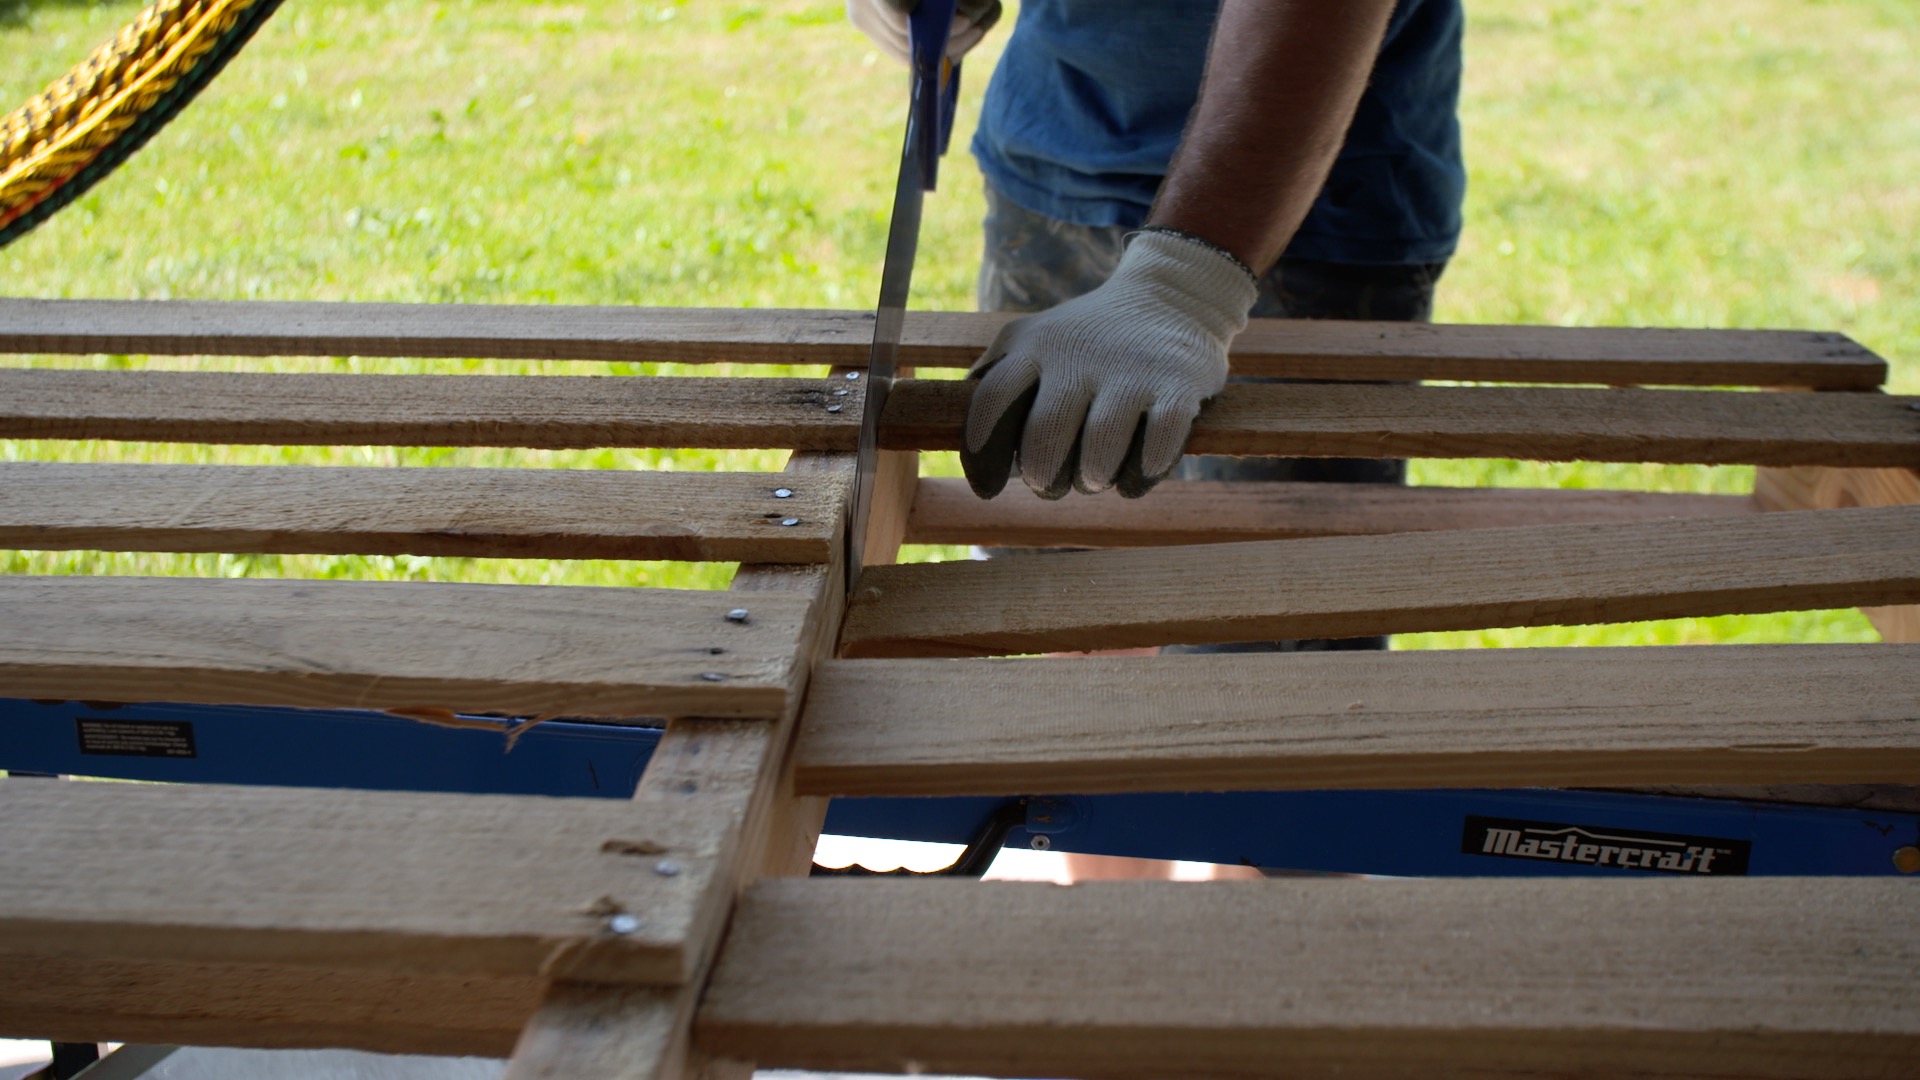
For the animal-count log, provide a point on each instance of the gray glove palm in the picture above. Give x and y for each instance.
(1102, 390)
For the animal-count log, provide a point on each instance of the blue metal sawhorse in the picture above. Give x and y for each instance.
(1427, 833)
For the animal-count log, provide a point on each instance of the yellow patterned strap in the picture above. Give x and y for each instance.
(50, 139)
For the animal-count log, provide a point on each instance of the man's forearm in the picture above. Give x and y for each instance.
(1283, 80)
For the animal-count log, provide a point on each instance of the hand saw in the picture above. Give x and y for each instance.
(936, 86)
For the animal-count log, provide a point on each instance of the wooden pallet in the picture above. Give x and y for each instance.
(663, 938)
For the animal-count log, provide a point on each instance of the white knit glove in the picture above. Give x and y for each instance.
(1103, 389)
(885, 21)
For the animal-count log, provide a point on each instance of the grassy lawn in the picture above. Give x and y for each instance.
(1746, 164)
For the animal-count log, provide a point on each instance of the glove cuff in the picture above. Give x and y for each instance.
(1203, 282)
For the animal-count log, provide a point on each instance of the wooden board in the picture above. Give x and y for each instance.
(1262, 419)
(479, 513)
(396, 881)
(416, 647)
(726, 771)
(200, 1004)
(945, 511)
(1538, 423)
(1290, 348)
(1456, 718)
(1402, 583)
(540, 411)
(1825, 489)
(1769, 978)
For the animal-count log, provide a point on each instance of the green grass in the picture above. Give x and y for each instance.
(1746, 164)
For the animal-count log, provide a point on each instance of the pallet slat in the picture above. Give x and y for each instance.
(1261, 419)
(1285, 348)
(1761, 978)
(1402, 583)
(479, 513)
(1537, 423)
(417, 647)
(240, 1004)
(945, 511)
(394, 881)
(1458, 718)
(535, 411)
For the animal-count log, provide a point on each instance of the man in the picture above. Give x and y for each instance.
(1145, 227)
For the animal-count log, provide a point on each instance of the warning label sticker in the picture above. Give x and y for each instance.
(136, 738)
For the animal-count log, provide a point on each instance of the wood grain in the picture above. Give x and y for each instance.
(476, 513)
(539, 411)
(1537, 423)
(726, 771)
(1825, 489)
(558, 412)
(1402, 583)
(1288, 348)
(202, 1004)
(394, 881)
(945, 511)
(1462, 718)
(1770, 978)
(409, 646)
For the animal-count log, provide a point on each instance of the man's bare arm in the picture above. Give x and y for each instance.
(1283, 80)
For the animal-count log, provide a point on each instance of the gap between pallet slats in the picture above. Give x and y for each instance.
(477, 513)
(1368, 979)
(1291, 348)
(945, 511)
(395, 881)
(1401, 583)
(413, 646)
(1464, 718)
(1539, 423)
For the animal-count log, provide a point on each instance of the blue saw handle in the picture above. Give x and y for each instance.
(936, 84)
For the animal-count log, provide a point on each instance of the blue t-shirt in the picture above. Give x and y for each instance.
(1088, 102)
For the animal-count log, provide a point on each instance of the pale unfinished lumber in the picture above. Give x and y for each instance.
(1401, 583)
(946, 511)
(536, 411)
(417, 647)
(1454, 718)
(396, 881)
(1824, 489)
(1753, 978)
(1309, 349)
(1532, 422)
(477, 513)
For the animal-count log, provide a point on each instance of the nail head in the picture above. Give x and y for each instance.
(667, 868)
(789, 522)
(783, 493)
(738, 615)
(712, 676)
(853, 376)
(623, 924)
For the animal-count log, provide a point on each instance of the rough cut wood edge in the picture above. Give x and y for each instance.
(1770, 978)
(1293, 348)
(1825, 489)
(535, 411)
(472, 513)
(945, 511)
(1401, 583)
(1531, 422)
(1465, 718)
(196, 1004)
(406, 882)
(414, 647)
